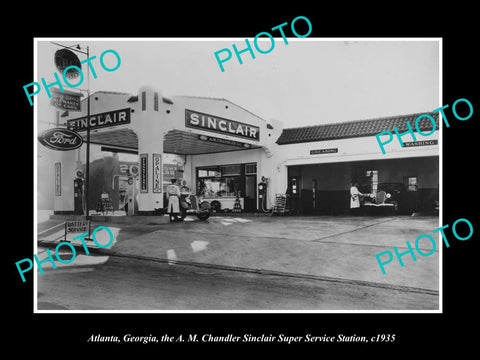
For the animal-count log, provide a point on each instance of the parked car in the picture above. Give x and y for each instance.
(390, 196)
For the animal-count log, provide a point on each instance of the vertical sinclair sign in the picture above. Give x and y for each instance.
(143, 173)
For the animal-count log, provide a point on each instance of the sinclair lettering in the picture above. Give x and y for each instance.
(197, 120)
(107, 119)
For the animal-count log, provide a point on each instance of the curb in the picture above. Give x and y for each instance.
(100, 251)
(135, 219)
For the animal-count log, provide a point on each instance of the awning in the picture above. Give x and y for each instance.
(175, 142)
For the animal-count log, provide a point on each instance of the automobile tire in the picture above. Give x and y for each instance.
(215, 205)
(204, 215)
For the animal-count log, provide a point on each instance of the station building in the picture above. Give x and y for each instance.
(223, 151)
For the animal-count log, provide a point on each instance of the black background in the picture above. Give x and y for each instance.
(415, 333)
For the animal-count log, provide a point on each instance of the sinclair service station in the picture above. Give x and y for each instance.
(223, 151)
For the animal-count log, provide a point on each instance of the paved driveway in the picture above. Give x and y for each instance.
(339, 249)
(330, 247)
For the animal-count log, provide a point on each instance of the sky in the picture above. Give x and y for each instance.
(307, 82)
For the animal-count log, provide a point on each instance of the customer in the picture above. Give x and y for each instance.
(355, 198)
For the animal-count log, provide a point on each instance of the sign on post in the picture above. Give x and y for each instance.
(60, 139)
(65, 100)
(77, 228)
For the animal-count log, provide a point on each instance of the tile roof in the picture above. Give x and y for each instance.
(358, 128)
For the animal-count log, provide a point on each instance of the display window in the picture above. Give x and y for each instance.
(221, 181)
(225, 180)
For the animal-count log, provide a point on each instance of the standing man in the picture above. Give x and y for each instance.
(173, 196)
(355, 198)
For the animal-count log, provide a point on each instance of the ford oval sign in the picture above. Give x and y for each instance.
(60, 139)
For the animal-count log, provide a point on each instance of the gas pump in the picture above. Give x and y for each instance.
(262, 194)
(78, 193)
(294, 193)
(130, 193)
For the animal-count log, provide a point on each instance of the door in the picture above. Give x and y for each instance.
(250, 193)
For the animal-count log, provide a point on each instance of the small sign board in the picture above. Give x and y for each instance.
(324, 151)
(65, 100)
(223, 141)
(76, 227)
(420, 143)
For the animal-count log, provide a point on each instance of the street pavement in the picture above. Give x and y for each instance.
(128, 284)
(339, 249)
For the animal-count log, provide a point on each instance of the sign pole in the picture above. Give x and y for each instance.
(60, 60)
(87, 159)
(133, 195)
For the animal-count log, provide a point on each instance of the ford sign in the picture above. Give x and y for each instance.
(60, 139)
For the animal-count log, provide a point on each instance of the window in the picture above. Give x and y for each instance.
(219, 181)
(227, 180)
(230, 170)
(411, 183)
(155, 101)
(144, 100)
(209, 173)
(250, 169)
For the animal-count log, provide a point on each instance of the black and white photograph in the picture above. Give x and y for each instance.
(275, 186)
(260, 178)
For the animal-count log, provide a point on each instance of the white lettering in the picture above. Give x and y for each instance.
(194, 119)
(61, 138)
(239, 129)
(222, 124)
(212, 123)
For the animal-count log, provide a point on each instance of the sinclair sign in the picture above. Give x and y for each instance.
(97, 121)
(206, 122)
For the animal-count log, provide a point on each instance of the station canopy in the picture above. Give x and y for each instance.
(175, 142)
(119, 137)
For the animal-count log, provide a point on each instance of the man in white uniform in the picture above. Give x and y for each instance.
(355, 198)
(173, 196)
